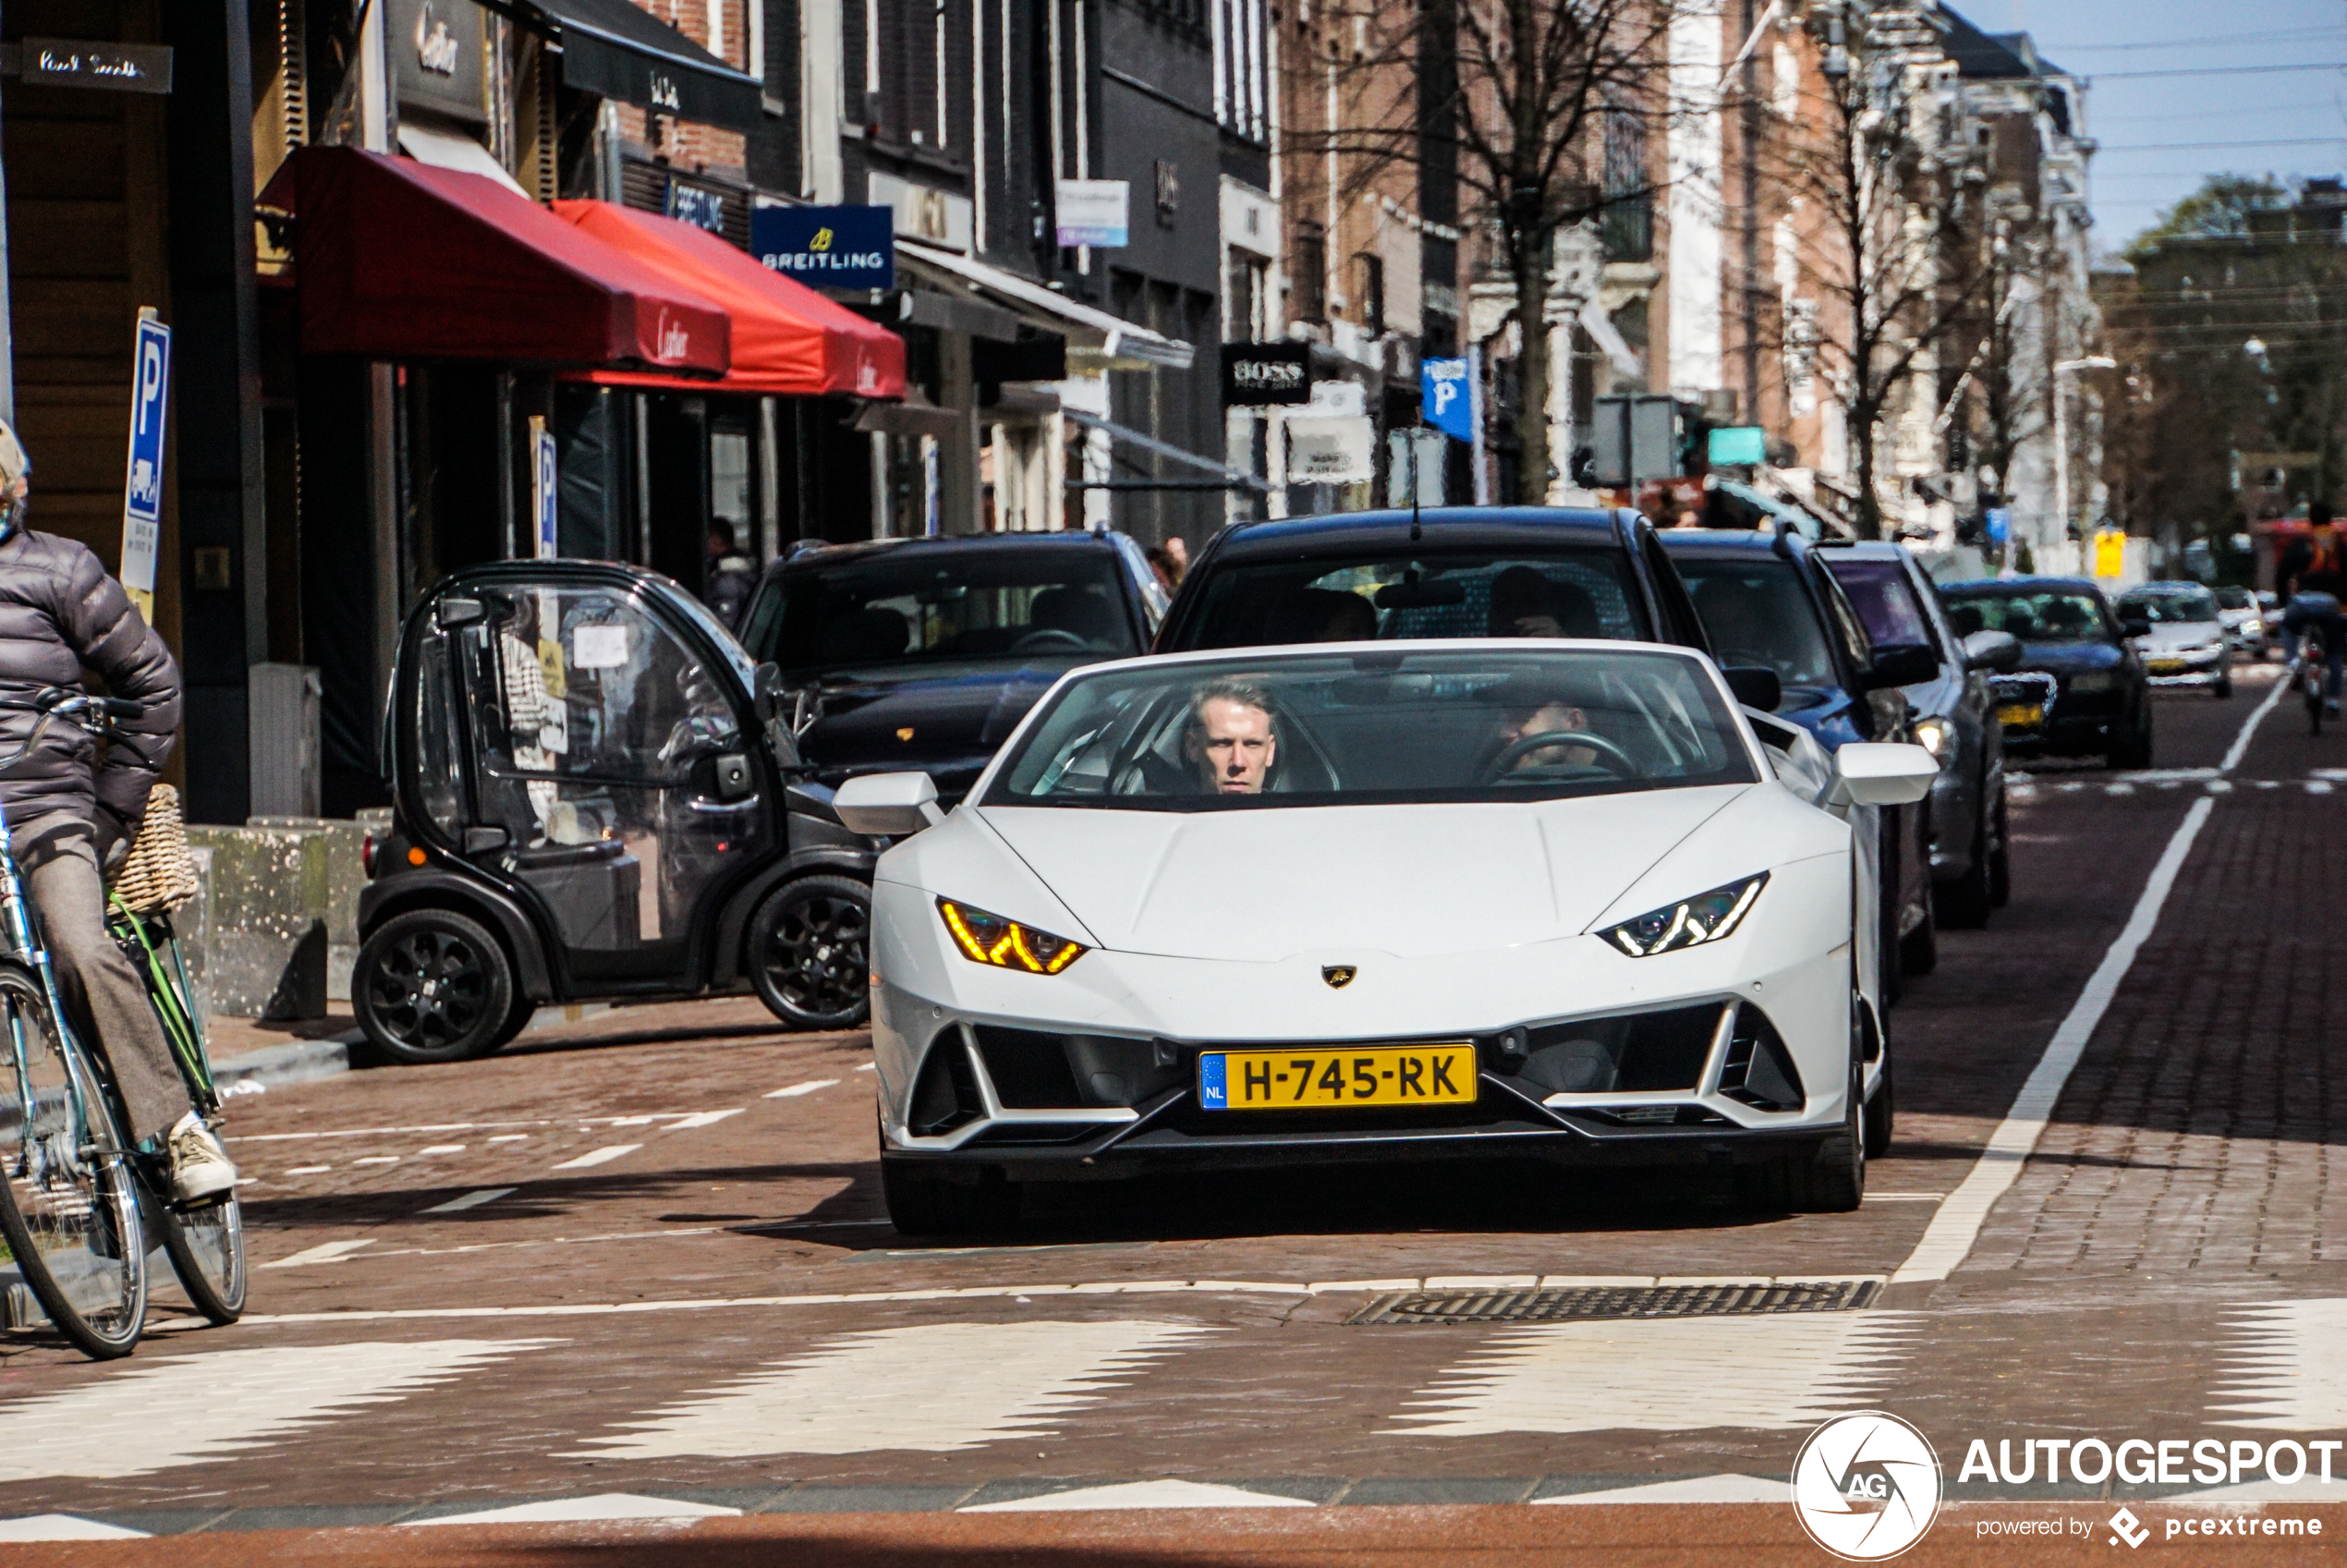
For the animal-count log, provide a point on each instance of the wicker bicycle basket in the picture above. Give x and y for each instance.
(159, 874)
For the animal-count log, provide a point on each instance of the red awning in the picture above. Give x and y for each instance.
(397, 260)
(787, 338)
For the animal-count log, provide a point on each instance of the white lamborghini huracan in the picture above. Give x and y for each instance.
(1367, 902)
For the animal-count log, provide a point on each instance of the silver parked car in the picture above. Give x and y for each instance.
(2244, 621)
(2185, 641)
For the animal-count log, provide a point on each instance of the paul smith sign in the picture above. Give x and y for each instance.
(60, 61)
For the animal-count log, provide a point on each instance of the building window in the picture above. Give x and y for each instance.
(1241, 81)
(1628, 224)
(1308, 279)
(1246, 296)
(1368, 283)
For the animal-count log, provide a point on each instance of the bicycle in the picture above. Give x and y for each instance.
(2308, 670)
(76, 1195)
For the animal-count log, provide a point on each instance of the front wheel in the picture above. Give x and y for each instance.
(69, 1202)
(432, 986)
(810, 953)
(207, 1250)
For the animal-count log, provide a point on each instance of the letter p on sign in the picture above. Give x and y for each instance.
(142, 471)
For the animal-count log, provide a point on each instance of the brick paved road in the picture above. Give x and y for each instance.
(648, 1257)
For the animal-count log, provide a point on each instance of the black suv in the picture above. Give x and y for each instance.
(1458, 571)
(927, 653)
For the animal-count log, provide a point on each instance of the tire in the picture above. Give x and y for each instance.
(1963, 904)
(2135, 750)
(1919, 949)
(431, 985)
(517, 1020)
(1830, 1176)
(810, 953)
(925, 1203)
(2001, 858)
(207, 1250)
(1880, 1112)
(2223, 689)
(70, 1208)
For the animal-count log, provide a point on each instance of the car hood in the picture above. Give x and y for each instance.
(1413, 880)
(930, 720)
(2166, 634)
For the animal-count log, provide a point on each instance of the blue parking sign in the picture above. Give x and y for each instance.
(1448, 396)
(143, 484)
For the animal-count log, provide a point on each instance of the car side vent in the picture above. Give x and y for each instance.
(1631, 1053)
(1759, 1069)
(945, 1095)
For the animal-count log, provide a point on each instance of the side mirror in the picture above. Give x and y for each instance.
(1904, 665)
(1756, 685)
(1881, 773)
(451, 613)
(888, 805)
(2135, 626)
(1992, 651)
(766, 702)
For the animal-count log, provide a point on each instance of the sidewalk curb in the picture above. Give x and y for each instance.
(274, 1066)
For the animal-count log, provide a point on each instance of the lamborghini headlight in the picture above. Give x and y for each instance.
(1937, 737)
(1006, 944)
(1707, 916)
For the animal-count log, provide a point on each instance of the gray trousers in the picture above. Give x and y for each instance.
(105, 1002)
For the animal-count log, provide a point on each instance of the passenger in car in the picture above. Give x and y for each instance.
(1230, 738)
(1323, 614)
(1525, 601)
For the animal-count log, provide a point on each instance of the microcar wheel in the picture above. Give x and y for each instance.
(432, 986)
(810, 953)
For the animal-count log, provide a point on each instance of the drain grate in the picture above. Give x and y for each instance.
(1741, 1299)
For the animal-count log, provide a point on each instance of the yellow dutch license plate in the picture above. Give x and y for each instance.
(1310, 1079)
(2167, 666)
(2020, 715)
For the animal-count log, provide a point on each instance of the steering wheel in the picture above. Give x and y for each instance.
(1043, 639)
(1610, 757)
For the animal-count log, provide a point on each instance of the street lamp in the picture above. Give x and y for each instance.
(2062, 429)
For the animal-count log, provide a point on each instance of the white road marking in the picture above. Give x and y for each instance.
(628, 1121)
(703, 1118)
(202, 1409)
(602, 1156)
(308, 1170)
(2240, 747)
(1693, 1488)
(2317, 786)
(377, 1159)
(1664, 1375)
(469, 1201)
(1905, 1196)
(324, 1252)
(935, 1388)
(795, 1090)
(1163, 1493)
(995, 1292)
(2289, 1374)
(1957, 1224)
(443, 1149)
(377, 1132)
(573, 1510)
(868, 1067)
(510, 1138)
(63, 1527)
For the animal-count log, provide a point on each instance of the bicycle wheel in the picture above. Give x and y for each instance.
(206, 1249)
(69, 1203)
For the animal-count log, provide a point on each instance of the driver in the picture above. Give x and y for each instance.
(1230, 738)
(1532, 705)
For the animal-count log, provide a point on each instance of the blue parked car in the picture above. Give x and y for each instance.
(2081, 689)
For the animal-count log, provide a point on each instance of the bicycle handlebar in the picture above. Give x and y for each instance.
(92, 714)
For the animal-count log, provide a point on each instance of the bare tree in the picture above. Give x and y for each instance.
(1510, 96)
(1888, 248)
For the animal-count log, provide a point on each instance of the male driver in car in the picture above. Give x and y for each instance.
(1231, 739)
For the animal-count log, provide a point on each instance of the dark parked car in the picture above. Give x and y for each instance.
(2081, 689)
(1480, 571)
(1768, 600)
(1954, 717)
(927, 653)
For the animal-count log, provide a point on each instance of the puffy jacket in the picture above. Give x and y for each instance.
(60, 611)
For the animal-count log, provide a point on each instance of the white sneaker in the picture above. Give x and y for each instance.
(200, 1167)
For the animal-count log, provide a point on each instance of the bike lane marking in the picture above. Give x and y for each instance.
(602, 1156)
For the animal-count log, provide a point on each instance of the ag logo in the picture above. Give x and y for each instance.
(1866, 1486)
(1339, 975)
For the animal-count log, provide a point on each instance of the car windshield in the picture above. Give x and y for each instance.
(2049, 616)
(917, 608)
(1376, 729)
(1885, 602)
(2157, 608)
(1758, 614)
(1563, 591)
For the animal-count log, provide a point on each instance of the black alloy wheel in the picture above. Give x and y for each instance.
(433, 986)
(810, 952)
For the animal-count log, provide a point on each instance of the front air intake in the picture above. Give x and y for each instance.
(946, 1094)
(1759, 1069)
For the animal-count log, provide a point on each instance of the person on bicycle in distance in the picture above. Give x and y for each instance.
(2313, 584)
(71, 812)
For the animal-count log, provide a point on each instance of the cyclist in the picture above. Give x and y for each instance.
(71, 812)
(2313, 584)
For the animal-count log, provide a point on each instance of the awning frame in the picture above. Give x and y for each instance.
(1108, 341)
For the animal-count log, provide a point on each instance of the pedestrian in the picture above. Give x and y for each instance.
(72, 812)
(728, 576)
(1170, 562)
